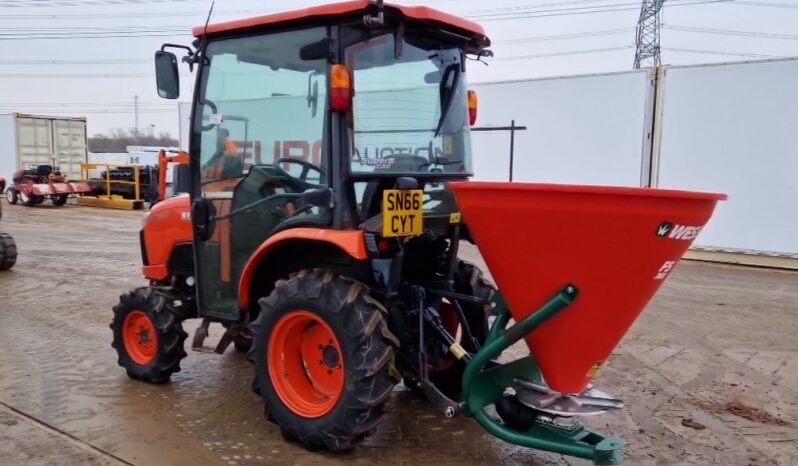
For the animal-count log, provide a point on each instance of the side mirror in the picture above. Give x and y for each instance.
(181, 178)
(166, 76)
(433, 77)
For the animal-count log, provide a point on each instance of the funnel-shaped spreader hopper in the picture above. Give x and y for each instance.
(616, 245)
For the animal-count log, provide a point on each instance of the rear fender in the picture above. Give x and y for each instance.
(296, 249)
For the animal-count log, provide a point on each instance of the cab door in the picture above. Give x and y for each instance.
(258, 101)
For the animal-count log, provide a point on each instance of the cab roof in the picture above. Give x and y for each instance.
(419, 13)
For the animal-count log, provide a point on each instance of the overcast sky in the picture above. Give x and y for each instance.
(91, 57)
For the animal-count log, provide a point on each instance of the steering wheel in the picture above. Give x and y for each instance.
(306, 168)
(214, 111)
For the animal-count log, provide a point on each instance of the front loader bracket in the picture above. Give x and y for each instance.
(485, 385)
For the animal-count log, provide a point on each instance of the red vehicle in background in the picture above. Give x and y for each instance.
(32, 186)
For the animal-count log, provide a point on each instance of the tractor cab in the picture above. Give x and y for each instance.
(322, 118)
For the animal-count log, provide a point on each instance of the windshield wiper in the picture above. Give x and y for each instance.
(447, 93)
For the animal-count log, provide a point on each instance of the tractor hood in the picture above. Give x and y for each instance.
(616, 245)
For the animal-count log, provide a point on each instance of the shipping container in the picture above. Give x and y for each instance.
(731, 128)
(30, 140)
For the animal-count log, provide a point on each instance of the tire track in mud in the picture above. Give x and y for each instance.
(69, 438)
(77, 387)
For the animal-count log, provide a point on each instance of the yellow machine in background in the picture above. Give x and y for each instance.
(107, 198)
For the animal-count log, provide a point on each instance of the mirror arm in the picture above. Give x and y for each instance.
(399, 41)
(190, 54)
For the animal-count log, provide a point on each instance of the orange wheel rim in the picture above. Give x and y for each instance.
(305, 364)
(140, 337)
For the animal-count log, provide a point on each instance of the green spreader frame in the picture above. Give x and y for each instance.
(483, 387)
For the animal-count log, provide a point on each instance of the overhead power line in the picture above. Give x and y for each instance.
(522, 8)
(577, 35)
(791, 6)
(717, 52)
(85, 104)
(569, 52)
(494, 14)
(74, 75)
(132, 35)
(99, 61)
(731, 32)
(83, 111)
(169, 14)
(61, 3)
(604, 8)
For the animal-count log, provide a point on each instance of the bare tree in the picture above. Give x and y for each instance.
(117, 140)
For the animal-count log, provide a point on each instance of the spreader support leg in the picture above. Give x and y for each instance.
(483, 387)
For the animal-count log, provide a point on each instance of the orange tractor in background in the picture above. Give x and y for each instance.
(325, 237)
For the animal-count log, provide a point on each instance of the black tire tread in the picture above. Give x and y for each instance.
(8, 251)
(28, 201)
(14, 196)
(171, 336)
(370, 371)
(59, 200)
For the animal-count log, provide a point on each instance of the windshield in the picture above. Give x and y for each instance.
(397, 122)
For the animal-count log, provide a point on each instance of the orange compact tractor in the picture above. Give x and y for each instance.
(329, 156)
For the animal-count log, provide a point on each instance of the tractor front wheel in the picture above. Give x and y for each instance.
(11, 196)
(60, 199)
(8, 251)
(147, 337)
(324, 359)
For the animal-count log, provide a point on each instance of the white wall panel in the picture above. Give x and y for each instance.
(580, 129)
(733, 128)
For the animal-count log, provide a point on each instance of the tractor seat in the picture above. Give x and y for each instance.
(44, 170)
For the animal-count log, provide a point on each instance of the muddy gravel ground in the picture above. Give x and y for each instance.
(709, 373)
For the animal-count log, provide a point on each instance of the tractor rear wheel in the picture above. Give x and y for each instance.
(468, 280)
(8, 251)
(27, 201)
(324, 359)
(11, 196)
(147, 337)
